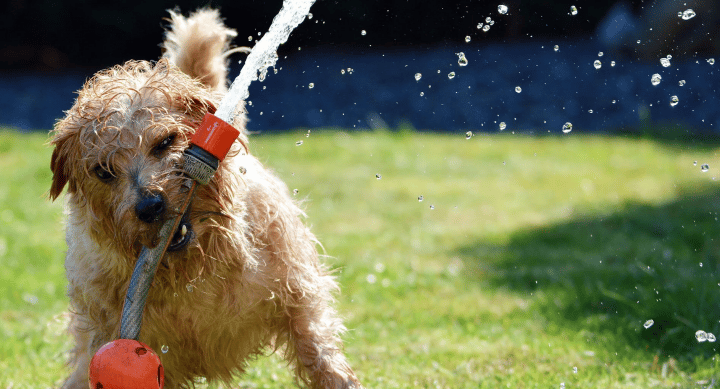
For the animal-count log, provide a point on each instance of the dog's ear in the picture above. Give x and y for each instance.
(64, 142)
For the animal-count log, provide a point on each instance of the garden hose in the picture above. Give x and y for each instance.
(208, 146)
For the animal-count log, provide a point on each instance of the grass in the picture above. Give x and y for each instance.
(530, 262)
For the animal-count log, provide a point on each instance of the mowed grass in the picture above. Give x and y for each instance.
(531, 262)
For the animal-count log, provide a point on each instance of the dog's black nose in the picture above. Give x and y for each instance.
(150, 208)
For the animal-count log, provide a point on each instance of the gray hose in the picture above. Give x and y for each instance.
(144, 273)
(200, 165)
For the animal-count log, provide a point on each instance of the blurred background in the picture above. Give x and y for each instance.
(362, 58)
(490, 260)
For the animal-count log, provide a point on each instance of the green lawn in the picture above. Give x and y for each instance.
(531, 262)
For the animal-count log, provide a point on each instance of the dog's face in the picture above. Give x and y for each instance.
(119, 151)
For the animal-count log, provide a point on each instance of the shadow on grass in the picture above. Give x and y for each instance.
(612, 273)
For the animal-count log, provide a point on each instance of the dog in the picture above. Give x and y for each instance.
(242, 276)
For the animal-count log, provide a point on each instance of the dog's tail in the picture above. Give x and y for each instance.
(199, 45)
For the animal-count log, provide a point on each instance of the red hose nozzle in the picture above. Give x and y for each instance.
(209, 145)
(215, 136)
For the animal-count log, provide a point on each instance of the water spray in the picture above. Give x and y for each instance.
(126, 362)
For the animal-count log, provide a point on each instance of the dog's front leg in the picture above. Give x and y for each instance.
(318, 348)
(87, 341)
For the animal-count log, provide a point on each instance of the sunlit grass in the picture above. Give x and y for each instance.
(527, 257)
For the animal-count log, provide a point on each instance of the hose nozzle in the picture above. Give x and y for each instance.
(209, 145)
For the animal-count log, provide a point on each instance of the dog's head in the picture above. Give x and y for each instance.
(119, 152)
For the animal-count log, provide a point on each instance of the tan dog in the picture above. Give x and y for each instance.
(242, 275)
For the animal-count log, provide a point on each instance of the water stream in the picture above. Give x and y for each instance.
(263, 55)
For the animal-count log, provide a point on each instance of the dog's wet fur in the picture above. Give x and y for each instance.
(242, 276)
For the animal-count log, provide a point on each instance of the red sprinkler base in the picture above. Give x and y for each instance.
(125, 364)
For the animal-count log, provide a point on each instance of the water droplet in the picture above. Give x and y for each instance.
(378, 176)
(479, 26)
(695, 164)
(350, 70)
(573, 10)
(655, 79)
(597, 64)
(704, 167)
(614, 101)
(486, 28)
(418, 76)
(451, 75)
(590, 111)
(502, 9)
(711, 61)
(711, 338)
(189, 287)
(556, 48)
(502, 126)
(468, 135)
(310, 16)
(422, 94)
(299, 143)
(342, 71)
(30, 298)
(467, 39)
(432, 206)
(681, 82)
(363, 32)
(295, 191)
(243, 170)
(562, 385)
(688, 14)
(311, 85)
(567, 127)
(308, 134)
(665, 62)
(250, 38)
(649, 323)
(600, 54)
(612, 63)
(164, 349)
(701, 336)
(674, 101)
(575, 369)
(421, 198)
(518, 89)
(638, 41)
(371, 278)
(680, 14)
(488, 19)
(462, 61)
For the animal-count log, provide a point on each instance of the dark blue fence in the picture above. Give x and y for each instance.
(380, 90)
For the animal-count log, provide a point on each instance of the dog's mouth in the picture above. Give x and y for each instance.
(183, 235)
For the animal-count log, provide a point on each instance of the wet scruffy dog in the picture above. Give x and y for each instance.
(242, 275)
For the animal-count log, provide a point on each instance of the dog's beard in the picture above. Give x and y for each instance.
(117, 225)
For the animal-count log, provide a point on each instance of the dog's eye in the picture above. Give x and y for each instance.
(163, 145)
(104, 174)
